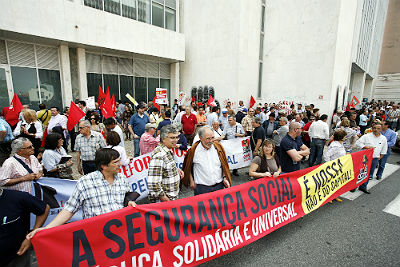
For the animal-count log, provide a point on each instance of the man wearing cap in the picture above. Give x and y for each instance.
(189, 122)
(270, 126)
(136, 127)
(223, 119)
(147, 141)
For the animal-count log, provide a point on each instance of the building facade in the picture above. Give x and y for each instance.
(281, 51)
(56, 51)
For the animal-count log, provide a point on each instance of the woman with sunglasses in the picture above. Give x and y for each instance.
(94, 123)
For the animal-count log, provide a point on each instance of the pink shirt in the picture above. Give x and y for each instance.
(12, 169)
(148, 143)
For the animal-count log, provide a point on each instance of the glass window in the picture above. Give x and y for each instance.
(93, 82)
(111, 81)
(144, 11)
(73, 64)
(170, 19)
(25, 85)
(126, 86)
(112, 6)
(4, 100)
(129, 8)
(158, 15)
(50, 88)
(171, 3)
(166, 83)
(153, 84)
(98, 4)
(140, 89)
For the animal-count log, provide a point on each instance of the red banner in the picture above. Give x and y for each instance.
(194, 230)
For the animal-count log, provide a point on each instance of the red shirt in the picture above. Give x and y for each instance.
(188, 123)
(306, 128)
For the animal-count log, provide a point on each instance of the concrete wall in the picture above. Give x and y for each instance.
(300, 51)
(222, 45)
(390, 55)
(73, 22)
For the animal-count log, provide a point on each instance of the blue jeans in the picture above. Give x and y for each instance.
(88, 167)
(374, 164)
(136, 146)
(382, 163)
(316, 150)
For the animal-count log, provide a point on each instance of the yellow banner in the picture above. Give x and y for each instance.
(318, 185)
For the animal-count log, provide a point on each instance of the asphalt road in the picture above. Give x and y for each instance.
(352, 233)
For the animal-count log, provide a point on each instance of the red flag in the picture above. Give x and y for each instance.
(113, 105)
(252, 101)
(75, 114)
(199, 104)
(44, 137)
(101, 97)
(211, 102)
(106, 109)
(13, 111)
(348, 107)
(155, 104)
(193, 99)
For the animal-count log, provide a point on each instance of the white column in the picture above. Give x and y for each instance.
(175, 81)
(81, 58)
(65, 69)
(368, 89)
(357, 87)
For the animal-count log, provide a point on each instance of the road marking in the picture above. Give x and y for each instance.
(393, 207)
(389, 170)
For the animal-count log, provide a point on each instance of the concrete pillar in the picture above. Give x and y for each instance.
(175, 81)
(357, 87)
(81, 58)
(65, 69)
(368, 89)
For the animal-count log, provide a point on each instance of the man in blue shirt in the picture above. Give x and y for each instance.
(166, 121)
(6, 136)
(292, 149)
(391, 141)
(136, 127)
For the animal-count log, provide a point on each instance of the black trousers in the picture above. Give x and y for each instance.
(202, 189)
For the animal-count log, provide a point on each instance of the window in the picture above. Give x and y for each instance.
(144, 10)
(158, 15)
(141, 89)
(170, 19)
(153, 84)
(112, 6)
(129, 8)
(98, 4)
(50, 88)
(94, 80)
(111, 81)
(126, 86)
(4, 100)
(25, 85)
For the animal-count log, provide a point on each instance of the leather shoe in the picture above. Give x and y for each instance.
(235, 172)
(353, 190)
(378, 177)
(364, 190)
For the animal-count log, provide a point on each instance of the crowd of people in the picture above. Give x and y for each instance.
(282, 141)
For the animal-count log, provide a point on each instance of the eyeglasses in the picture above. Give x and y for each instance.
(28, 147)
(174, 137)
(92, 118)
(81, 127)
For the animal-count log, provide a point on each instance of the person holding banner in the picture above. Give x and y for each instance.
(376, 141)
(266, 163)
(205, 165)
(163, 175)
(99, 192)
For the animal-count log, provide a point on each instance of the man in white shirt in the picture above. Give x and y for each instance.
(319, 133)
(378, 142)
(212, 116)
(56, 120)
(206, 166)
(111, 125)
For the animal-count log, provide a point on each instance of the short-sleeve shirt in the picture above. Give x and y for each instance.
(4, 126)
(16, 207)
(230, 131)
(138, 123)
(188, 123)
(258, 133)
(95, 196)
(89, 146)
(288, 143)
(163, 123)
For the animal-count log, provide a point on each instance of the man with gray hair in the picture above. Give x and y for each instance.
(206, 166)
(280, 133)
(20, 170)
(163, 176)
(86, 145)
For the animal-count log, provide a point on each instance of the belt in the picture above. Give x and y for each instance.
(88, 161)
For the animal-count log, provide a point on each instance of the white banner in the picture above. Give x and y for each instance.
(57, 191)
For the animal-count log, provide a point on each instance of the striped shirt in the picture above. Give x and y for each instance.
(95, 196)
(12, 169)
(89, 146)
(163, 178)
